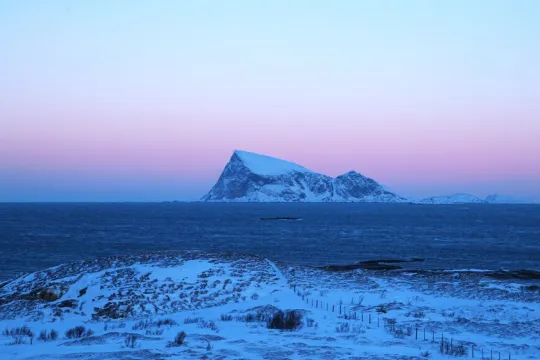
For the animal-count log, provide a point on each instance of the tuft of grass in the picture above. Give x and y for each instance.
(17, 340)
(145, 324)
(194, 320)
(343, 327)
(208, 325)
(166, 322)
(157, 332)
(290, 320)
(178, 340)
(417, 314)
(226, 317)
(19, 331)
(131, 341)
(448, 348)
(79, 332)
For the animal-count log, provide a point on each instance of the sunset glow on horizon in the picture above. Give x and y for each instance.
(146, 101)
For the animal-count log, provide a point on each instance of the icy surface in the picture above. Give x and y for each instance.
(268, 165)
(222, 302)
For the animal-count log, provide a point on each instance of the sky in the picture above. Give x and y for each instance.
(146, 100)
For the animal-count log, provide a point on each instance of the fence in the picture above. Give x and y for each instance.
(449, 346)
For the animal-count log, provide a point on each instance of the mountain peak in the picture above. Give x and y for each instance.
(267, 165)
(252, 177)
(353, 173)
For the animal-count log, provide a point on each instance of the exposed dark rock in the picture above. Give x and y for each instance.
(71, 303)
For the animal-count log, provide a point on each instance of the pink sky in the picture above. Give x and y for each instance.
(141, 102)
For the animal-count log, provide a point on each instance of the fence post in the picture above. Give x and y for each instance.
(311, 302)
(499, 355)
(433, 335)
(326, 306)
(417, 333)
(370, 318)
(424, 334)
(491, 354)
(362, 316)
(316, 303)
(472, 349)
(339, 309)
(378, 321)
(333, 308)
(355, 315)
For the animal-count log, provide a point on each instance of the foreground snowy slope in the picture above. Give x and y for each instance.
(250, 177)
(134, 307)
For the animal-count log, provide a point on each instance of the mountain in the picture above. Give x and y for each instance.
(251, 177)
(506, 199)
(453, 199)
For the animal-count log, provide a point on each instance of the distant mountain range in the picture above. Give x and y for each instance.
(471, 199)
(453, 199)
(251, 177)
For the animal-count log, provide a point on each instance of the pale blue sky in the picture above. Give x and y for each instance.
(146, 100)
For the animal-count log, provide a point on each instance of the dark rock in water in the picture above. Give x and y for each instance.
(280, 218)
(518, 274)
(371, 265)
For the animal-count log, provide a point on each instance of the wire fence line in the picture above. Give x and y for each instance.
(447, 345)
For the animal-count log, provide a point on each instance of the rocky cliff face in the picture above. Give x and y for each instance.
(250, 177)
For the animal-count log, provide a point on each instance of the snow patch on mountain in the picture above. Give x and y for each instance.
(268, 165)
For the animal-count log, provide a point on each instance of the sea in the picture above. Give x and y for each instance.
(35, 236)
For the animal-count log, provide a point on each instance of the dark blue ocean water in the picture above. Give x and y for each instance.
(37, 236)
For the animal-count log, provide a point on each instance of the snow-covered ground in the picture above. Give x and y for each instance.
(136, 305)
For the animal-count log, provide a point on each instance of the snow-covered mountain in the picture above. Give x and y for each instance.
(506, 199)
(453, 199)
(251, 177)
